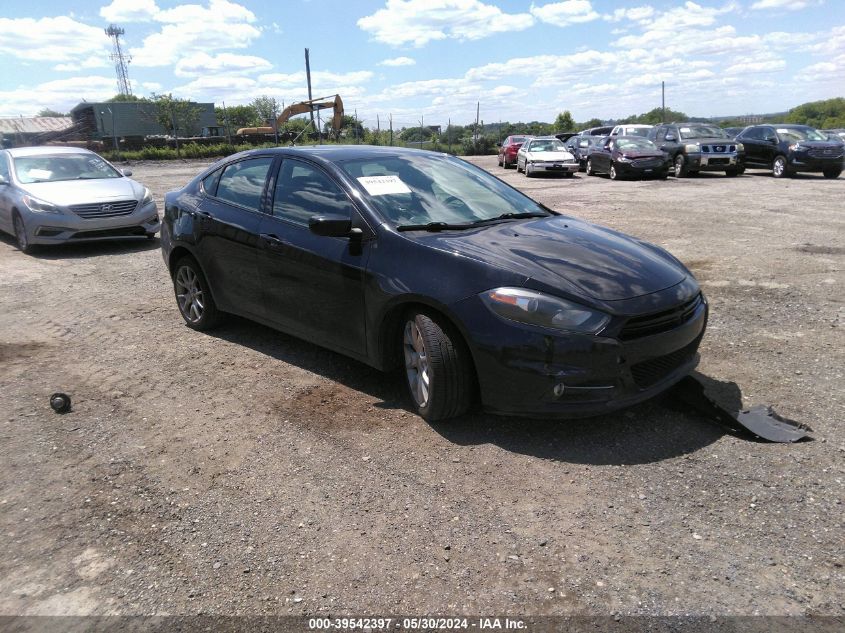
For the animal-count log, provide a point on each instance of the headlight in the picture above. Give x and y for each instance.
(536, 308)
(740, 147)
(623, 159)
(148, 197)
(693, 147)
(40, 206)
(795, 147)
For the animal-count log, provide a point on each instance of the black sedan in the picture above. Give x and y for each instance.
(419, 260)
(628, 156)
(787, 149)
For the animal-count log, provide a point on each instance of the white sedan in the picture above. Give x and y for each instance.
(545, 153)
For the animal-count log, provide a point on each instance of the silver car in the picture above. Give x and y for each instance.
(65, 194)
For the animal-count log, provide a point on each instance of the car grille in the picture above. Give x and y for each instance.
(647, 162)
(640, 326)
(104, 209)
(718, 149)
(652, 371)
(126, 231)
(825, 153)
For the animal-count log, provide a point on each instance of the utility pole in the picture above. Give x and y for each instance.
(308, 77)
(477, 114)
(391, 129)
(663, 101)
(355, 116)
(449, 133)
(422, 134)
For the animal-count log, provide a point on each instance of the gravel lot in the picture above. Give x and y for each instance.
(248, 472)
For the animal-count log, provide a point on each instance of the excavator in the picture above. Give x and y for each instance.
(312, 105)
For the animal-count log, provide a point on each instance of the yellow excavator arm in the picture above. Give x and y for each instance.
(312, 106)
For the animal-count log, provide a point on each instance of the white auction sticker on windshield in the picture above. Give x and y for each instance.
(39, 174)
(383, 185)
(685, 130)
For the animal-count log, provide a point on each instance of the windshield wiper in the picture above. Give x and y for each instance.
(512, 216)
(433, 227)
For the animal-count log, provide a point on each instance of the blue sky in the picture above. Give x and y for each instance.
(434, 59)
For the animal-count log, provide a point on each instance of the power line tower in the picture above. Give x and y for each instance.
(121, 60)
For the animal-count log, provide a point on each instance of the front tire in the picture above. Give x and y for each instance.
(527, 170)
(589, 168)
(194, 297)
(438, 373)
(614, 175)
(779, 168)
(832, 173)
(680, 166)
(732, 172)
(20, 234)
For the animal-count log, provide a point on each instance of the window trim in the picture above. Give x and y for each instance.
(262, 201)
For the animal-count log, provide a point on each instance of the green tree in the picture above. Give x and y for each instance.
(238, 116)
(178, 116)
(829, 113)
(564, 122)
(122, 97)
(267, 108)
(51, 113)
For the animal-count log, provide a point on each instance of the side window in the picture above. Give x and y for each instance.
(660, 134)
(209, 183)
(303, 190)
(769, 134)
(4, 167)
(754, 134)
(242, 183)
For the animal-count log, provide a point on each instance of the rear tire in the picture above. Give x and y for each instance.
(518, 168)
(779, 167)
(832, 173)
(194, 297)
(438, 372)
(20, 234)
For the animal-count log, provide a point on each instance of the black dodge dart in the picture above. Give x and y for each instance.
(418, 260)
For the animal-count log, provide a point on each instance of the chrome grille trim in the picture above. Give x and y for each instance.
(104, 209)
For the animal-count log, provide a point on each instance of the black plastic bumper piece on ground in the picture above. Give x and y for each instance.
(760, 421)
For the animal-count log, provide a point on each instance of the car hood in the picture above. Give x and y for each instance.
(565, 253)
(550, 155)
(69, 192)
(833, 145)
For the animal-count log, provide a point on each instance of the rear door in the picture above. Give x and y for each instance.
(228, 222)
(5, 196)
(313, 285)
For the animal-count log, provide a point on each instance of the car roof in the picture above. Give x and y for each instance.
(634, 125)
(545, 138)
(51, 150)
(337, 153)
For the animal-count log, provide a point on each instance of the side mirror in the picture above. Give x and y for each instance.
(671, 138)
(330, 225)
(126, 172)
(3, 180)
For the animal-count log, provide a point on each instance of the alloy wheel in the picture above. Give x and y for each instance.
(779, 167)
(417, 366)
(189, 294)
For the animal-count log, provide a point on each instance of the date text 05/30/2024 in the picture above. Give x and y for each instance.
(415, 624)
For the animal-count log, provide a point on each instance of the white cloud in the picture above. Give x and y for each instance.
(418, 22)
(397, 61)
(201, 63)
(51, 39)
(787, 5)
(634, 14)
(61, 94)
(122, 11)
(565, 13)
(192, 28)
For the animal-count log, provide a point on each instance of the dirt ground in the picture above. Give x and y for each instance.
(248, 472)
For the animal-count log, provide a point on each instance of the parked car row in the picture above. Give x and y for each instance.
(687, 148)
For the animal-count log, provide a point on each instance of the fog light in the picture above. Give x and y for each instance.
(558, 390)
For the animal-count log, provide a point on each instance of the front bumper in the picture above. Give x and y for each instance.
(713, 162)
(530, 372)
(55, 228)
(555, 167)
(660, 168)
(803, 162)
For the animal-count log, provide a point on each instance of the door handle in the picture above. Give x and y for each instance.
(205, 214)
(271, 240)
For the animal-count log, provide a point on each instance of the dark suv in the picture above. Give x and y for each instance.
(695, 147)
(786, 149)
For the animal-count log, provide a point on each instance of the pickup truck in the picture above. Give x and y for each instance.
(695, 147)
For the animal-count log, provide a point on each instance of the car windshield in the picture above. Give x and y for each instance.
(636, 131)
(420, 189)
(517, 139)
(546, 145)
(56, 167)
(702, 131)
(635, 143)
(800, 134)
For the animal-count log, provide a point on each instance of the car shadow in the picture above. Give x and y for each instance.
(647, 433)
(801, 175)
(79, 250)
